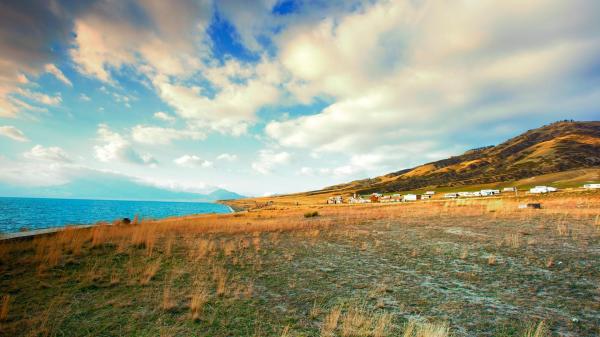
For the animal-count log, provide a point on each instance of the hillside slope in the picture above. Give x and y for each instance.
(557, 147)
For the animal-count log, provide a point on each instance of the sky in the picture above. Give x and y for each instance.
(265, 97)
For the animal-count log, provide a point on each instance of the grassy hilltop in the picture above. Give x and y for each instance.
(546, 152)
(438, 268)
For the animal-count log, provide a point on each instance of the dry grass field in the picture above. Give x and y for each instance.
(440, 268)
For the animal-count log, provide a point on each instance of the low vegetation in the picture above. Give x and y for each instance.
(311, 214)
(427, 269)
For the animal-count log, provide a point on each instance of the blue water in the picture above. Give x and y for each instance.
(36, 213)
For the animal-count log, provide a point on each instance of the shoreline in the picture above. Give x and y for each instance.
(29, 234)
(37, 232)
(232, 207)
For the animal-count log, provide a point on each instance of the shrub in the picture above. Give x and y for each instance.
(311, 214)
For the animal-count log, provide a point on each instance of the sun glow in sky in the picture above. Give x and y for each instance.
(274, 96)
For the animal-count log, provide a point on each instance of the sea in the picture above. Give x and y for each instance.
(18, 214)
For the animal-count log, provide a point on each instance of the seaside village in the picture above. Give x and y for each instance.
(380, 198)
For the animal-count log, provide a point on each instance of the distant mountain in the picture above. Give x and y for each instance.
(102, 185)
(557, 147)
(222, 194)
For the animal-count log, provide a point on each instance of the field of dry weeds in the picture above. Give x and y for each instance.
(459, 268)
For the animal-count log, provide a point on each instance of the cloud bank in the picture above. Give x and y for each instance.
(348, 89)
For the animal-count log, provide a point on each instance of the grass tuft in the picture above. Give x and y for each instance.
(539, 330)
(4, 308)
(330, 322)
(199, 299)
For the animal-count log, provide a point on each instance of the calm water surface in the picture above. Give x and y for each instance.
(37, 213)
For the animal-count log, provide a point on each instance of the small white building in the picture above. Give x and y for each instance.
(489, 192)
(464, 194)
(430, 193)
(335, 200)
(410, 197)
(425, 196)
(450, 195)
(358, 200)
(509, 189)
(591, 186)
(542, 189)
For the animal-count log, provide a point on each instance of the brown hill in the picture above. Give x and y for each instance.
(558, 147)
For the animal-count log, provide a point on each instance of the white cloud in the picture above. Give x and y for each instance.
(163, 116)
(117, 148)
(155, 135)
(382, 159)
(52, 69)
(13, 133)
(227, 157)
(51, 153)
(40, 97)
(84, 97)
(23, 59)
(172, 52)
(177, 185)
(109, 36)
(307, 171)
(192, 161)
(33, 173)
(250, 20)
(269, 159)
(243, 90)
(404, 73)
(123, 98)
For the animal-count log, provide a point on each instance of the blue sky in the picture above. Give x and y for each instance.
(264, 97)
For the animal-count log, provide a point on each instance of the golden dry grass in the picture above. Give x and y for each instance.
(168, 303)
(49, 249)
(4, 307)
(197, 302)
(539, 330)
(414, 329)
(211, 246)
(149, 271)
(331, 322)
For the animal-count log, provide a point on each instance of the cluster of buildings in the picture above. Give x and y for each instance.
(380, 198)
(482, 193)
(491, 192)
(335, 200)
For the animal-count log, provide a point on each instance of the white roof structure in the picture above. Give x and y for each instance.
(543, 189)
